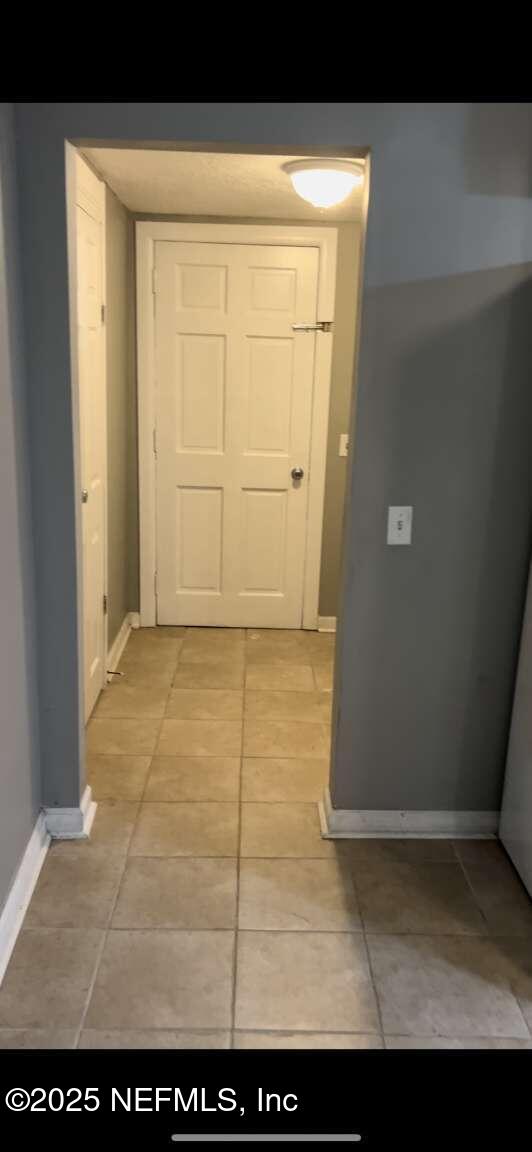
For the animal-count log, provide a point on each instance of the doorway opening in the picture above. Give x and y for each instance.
(227, 310)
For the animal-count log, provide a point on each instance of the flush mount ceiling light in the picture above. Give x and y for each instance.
(324, 183)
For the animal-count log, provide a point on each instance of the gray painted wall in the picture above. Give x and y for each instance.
(19, 764)
(449, 247)
(517, 798)
(345, 319)
(122, 512)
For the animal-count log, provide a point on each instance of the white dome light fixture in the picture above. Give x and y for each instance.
(324, 183)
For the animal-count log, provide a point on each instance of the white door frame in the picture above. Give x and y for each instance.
(147, 233)
(86, 189)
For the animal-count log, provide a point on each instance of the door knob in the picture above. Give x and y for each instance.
(297, 473)
(84, 496)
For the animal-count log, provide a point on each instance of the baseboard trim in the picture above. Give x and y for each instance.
(326, 623)
(134, 618)
(115, 652)
(71, 823)
(21, 890)
(352, 824)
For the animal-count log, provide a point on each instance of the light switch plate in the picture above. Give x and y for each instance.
(399, 524)
(343, 447)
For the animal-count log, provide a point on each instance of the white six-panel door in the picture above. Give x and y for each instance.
(233, 411)
(92, 403)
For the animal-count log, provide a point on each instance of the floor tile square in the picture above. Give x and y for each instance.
(442, 1042)
(224, 674)
(301, 706)
(283, 830)
(131, 701)
(177, 893)
(76, 888)
(297, 896)
(312, 1040)
(426, 898)
(153, 1038)
(281, 779)
(163, 979)
(48, 1038)
(307, 981)
(117, 777)
(145, 672)
(200, 738)
(48, 977)
(280, 738)
(212, 650)
(191, 829)
(174, 778)
(280, 677)
(444, 986)
(122, 737)
(204, 704)
(374, 850)
(113, 824)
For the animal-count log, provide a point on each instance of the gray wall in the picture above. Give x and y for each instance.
(517, 798)
(19, 766)
(339, 408)
(122, 563)
(439, 423)
(345, 319)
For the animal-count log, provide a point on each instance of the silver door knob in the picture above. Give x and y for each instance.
(84, 496)
(297, 473)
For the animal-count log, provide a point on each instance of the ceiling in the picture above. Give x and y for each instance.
(210, 184)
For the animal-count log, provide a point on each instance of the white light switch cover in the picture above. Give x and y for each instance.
(399, 524)
(343, 446)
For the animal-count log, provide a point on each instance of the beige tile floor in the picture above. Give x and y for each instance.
(207, 912)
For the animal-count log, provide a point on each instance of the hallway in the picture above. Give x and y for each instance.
(207, 911)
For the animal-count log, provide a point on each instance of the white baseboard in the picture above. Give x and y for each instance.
(115, 652)
(134, 618)
(326, 623)
(21, 891)
(71, 823)
(351, 824)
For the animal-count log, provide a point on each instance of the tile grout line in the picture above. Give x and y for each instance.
(107, 926)
(98, 961)
(238, 859)
(350, 869)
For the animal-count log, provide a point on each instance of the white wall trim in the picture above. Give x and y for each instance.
(71, 823)
(326, 239)
(21, 890)
(326, 623)
(352, 824)
(115, 652)
(85, 189)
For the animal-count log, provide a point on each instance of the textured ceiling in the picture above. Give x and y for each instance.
(209, 184)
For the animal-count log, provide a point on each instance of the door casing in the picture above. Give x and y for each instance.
(325, 239)
(86, 190)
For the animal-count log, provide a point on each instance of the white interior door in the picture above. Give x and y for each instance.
(233, 407)
(91, 382)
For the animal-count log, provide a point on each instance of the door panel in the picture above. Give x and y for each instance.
(234, 388)
(92, 441)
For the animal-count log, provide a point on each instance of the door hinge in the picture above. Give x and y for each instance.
(319, 326)
(105, 605)
(154, 280)
(155, 442)
(103, 313)
(155, 583)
